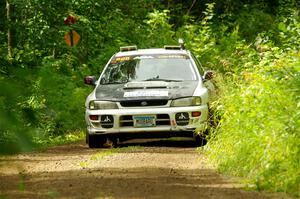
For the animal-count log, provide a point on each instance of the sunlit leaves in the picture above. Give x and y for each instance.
(259, 133)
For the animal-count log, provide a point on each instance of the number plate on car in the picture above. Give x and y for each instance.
(144, 121)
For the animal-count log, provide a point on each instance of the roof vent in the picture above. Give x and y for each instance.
(128, 48)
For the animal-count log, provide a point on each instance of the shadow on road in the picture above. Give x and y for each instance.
(162, 168)
(123, 183)
(172, 142)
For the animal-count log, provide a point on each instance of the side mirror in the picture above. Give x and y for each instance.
(208, 75)
(90, 80)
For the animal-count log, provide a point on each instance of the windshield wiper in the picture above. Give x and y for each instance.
(165, 80)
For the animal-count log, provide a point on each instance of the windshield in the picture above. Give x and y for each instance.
(169, 67)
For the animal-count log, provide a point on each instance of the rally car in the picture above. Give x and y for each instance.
(148, 93)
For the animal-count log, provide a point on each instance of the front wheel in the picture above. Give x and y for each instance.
(200, 140)
(95, 141)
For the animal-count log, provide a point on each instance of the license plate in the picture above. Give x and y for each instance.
(144, 121)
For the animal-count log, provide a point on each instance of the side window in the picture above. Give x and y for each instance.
(198, 64)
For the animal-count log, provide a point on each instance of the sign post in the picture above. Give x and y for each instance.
(71, 37)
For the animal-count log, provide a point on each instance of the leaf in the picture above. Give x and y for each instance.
(282, 27)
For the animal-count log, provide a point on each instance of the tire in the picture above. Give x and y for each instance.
(200, 139)
(95, 141)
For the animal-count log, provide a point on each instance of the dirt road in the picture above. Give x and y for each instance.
(153, 169)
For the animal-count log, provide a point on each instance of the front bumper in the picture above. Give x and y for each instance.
(167, 124)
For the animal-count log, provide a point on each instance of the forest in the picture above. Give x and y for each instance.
(252, 45)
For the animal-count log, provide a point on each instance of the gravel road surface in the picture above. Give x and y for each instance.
(137, 169)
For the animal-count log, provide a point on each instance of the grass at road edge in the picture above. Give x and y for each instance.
(58, 140)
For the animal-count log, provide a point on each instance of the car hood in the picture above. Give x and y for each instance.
(145, 90)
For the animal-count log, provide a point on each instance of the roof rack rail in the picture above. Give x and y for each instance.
(128, 48)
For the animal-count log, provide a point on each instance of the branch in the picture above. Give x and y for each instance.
(188, 12)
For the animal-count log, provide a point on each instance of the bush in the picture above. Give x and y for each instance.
(39, 105)
(258, 136)
(63, 99)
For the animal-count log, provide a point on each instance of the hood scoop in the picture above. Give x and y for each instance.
(145, 85)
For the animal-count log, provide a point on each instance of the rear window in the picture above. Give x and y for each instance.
(172, 67)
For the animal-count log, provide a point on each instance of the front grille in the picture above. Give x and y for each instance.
(161, 120)
(126, 120)
(143, 103)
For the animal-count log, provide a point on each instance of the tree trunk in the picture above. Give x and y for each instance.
(9, 30)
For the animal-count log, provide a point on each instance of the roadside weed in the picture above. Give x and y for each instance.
(52, 194)
(109, 152)
(105, 153)
(2, 196)
(83, 164)
(21, 183)
(258, 136)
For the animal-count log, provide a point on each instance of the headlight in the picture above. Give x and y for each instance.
(95, 105)
(189, 101)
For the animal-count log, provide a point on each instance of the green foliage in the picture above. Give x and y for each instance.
(47, 141)
(42, 94)
(158, 24)
(288, 33)
(62, 98)
(200, 36)
(258, 136)
(14, 135)
(252, 20)
(253, 47)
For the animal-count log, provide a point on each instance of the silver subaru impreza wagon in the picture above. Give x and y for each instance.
(148, 93)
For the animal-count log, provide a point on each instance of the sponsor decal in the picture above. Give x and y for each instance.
(172, 56)
(146, 94)
(167, 56)
(120, 59)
